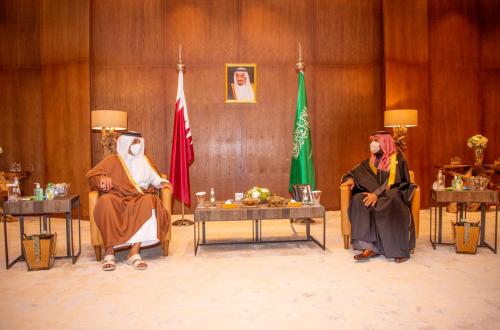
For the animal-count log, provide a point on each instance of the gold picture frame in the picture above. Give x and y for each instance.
(241, 82)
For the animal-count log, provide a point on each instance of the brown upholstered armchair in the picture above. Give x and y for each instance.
(95, 234)
(345, 199)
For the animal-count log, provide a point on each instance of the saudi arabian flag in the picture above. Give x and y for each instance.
(302, 169)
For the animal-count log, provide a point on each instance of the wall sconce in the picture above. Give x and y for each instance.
(400, 120)
(109, 122)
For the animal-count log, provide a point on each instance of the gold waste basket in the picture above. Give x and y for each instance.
(39, 251)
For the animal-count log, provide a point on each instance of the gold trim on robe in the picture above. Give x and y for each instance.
(129, 176)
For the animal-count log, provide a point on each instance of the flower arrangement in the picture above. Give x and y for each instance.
(258, 193)
(478, 143)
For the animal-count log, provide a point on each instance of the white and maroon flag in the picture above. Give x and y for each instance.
(182, 148)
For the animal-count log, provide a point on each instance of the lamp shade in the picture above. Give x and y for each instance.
(114, 119)
(403, 117)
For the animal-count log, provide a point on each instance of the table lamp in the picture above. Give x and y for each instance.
(400, 120)
(109, 122)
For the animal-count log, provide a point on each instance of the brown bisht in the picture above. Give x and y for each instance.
(388, 225)
(121, 212)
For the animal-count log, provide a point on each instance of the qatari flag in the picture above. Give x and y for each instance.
(182, 148)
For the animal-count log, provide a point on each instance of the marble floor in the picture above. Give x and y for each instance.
(274, 286)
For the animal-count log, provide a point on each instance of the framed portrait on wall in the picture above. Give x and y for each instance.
(241, 82)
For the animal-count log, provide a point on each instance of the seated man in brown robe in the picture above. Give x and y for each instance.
(128, 212)
(381, 221)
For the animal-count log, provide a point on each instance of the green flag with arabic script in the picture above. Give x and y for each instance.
(302, 168)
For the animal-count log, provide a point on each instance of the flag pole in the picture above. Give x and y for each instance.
(183, 221)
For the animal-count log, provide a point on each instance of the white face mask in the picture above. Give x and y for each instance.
(374, 147)
(135, 148)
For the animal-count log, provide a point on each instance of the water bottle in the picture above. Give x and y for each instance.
(441, 180)
(212, 198)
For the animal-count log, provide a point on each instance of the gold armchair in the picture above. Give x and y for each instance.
(345, 199)
(95, 234)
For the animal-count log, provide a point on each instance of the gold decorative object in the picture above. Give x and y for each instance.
(250, 202)
(478, 143)
(300, 66)
(479, 182)
(456, 161)
(276, 201)
(180, 66)
(109, 122)
(400, 120)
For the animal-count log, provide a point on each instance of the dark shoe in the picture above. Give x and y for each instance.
(400, 260)
(365, 255)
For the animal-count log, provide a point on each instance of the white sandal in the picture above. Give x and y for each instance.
(137, 262)
(108, 263)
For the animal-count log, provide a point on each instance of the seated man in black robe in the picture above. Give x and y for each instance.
(381, 221)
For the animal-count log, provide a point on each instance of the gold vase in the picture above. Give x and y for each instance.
(478, 156)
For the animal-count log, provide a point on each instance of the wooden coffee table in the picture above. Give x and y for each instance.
(256, 215)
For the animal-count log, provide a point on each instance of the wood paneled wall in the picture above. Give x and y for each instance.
(64, 54)
(362, 56)
(236, 145)
(442, 58)
(406, 57)
(45, 91)
(20, 88)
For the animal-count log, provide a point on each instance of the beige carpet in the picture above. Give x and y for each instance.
(289, 286)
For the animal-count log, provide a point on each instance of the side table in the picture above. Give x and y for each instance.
(440, 198)
(43, 209)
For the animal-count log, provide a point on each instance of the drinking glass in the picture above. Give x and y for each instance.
(201, 198)
(316, 196)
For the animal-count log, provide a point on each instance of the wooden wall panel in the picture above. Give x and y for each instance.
(407, 78)
(347, 110)
(241, 145)
(347, 32)
(139, 91)
(455, 79)
(489, 11)
(64, 50)
(20, 100)
(207, 30)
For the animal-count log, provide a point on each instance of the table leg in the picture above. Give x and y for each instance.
(260, 230)
(496, 226)
(79, 233)
(203, 234)
(440, 224)
(5, 240)
(308, 230)
(21, 227)
(68, 239)
(483, 223)
(44, 224)
(324, 232)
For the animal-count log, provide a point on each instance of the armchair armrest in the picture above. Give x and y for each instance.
(345, 199)
(95, 234)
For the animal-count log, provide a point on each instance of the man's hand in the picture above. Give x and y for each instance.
(105, 184)
(165, 184)
(370, 199)
(348, 183)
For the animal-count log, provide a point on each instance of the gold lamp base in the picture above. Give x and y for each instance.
(399, 134)
(108, 141)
